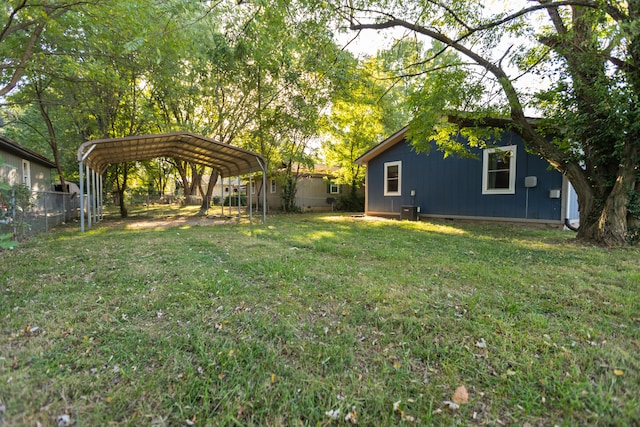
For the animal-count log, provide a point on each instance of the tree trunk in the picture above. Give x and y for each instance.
(204, 208)
(53, 140)
(633, 214)
(121, 187)
(605, 221)
(180, 165)
(123, 208)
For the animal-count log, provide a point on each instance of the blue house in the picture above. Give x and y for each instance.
(503, 183)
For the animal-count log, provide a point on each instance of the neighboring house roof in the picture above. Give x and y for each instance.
(325, 170)
(14, 148)
(318, 170)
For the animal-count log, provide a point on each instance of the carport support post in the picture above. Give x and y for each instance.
(100, 187)
(97, 186)
(239, 198)
(81, 197)
(89, 202)
(264, 189)
(250, 197)
(83, 204)
(221, 194)
(230, 192)
(94, 178)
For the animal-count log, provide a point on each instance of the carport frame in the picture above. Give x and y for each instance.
(96, 155)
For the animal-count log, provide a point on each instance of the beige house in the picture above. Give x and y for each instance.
(316, 190)
(22, 166)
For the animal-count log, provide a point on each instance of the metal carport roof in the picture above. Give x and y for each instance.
(227, 159)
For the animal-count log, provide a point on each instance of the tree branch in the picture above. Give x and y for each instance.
(518, 118)
(17, 74)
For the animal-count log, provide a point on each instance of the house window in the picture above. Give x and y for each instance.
(499, 170)
(334, 188)
(26, 173)
(392, 178)
(272, 188)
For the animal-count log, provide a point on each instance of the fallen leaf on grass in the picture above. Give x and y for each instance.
(403, 415)
(31, 330)
(63, 420)
(334, 414)
(618, 372)
(460, 396)
(352, 417)
(450, 405)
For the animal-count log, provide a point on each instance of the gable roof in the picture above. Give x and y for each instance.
(383, 146)
(228, 159)
(14, 148)
(461, 119)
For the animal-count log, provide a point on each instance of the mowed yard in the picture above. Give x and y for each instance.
(318, 320)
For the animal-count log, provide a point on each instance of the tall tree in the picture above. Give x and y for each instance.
(587, 52)
(372, 105)
(22, 23)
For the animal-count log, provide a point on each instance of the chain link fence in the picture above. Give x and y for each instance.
(24, 214)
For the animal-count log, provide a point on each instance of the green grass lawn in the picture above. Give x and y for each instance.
(315, 317)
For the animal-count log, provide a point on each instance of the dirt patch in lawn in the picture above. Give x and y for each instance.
(138, 223)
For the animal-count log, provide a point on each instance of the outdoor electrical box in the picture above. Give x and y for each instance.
(409, 212)
(554, 194)
(530, 181)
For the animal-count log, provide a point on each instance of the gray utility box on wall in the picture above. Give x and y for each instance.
(409, 212)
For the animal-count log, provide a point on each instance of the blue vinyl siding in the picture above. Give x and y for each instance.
(453, 186)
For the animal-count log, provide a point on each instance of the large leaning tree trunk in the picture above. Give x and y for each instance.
(602, 125)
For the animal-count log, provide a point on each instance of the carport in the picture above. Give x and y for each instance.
(95, 156)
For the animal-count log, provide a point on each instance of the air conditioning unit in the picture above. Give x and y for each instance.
(409, 212)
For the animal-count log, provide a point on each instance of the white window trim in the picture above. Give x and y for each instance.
(512, 170)
(272, 186)
(334, 188)
(386, 169)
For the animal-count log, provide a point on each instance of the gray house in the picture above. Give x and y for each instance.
(23, 166)
(46, 208)
(503, 182)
